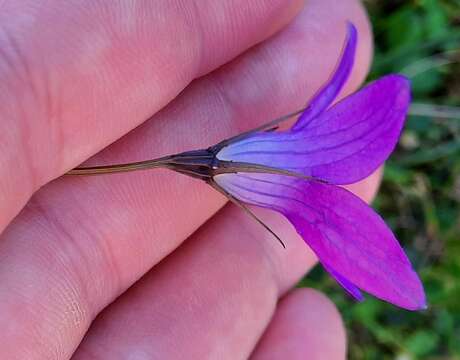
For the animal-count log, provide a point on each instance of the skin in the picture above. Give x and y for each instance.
(155, 265)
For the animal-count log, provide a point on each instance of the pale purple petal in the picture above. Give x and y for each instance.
(344, 232)
(329, 92)
(342, 145)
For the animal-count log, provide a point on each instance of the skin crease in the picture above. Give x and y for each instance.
(81, 242)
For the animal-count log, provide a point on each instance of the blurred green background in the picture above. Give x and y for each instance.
(420, 193)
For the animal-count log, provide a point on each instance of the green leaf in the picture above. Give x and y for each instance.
(422, 342)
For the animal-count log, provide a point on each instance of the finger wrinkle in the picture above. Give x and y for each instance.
(211, 17)
(60, 265)
(72, 243)
(21, 163)
(65, 258)
(18, 74)
(28, 301)
(200, 53)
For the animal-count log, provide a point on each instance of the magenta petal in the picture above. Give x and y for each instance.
(344, 232)
(329, 92)
(347, 285)
(342, 145)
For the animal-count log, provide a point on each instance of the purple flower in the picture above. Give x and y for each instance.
(296, 173)
(337, 145)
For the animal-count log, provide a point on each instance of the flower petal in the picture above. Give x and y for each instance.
(347, 285)
(348, 237)
(342, 145)
(329, 92)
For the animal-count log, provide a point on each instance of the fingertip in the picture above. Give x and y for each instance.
(306, 325)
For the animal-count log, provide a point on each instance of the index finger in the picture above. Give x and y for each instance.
(77, 77)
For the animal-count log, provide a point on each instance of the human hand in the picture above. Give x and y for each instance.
(74, 80)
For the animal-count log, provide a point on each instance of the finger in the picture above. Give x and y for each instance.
(210, 299)
(93, 237)
(77, 77)
(306, 325)
(367, 188)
